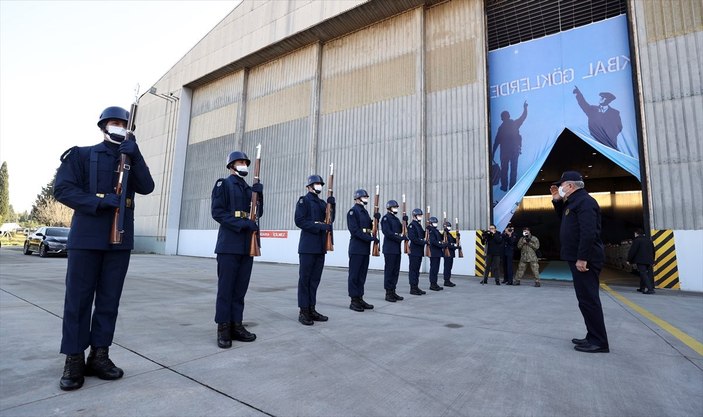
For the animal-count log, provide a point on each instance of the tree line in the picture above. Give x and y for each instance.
(46, 211)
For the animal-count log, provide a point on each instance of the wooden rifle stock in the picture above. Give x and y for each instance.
(458, 239)
(329, 241)
(117, 228)
(376, 251)
(406, 243)
(254, 247)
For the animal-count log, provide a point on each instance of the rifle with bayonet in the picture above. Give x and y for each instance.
(329, 243)
(428, 251)
(117, 228)
(406, 243)
(447, 253)
(376, 251)
(458, 237)
(254, 245)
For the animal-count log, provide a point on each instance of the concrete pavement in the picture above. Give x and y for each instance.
(471, 350)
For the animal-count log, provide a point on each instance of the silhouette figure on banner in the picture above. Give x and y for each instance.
(604, 122)
(510, 142)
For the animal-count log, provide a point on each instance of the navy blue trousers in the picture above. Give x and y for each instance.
(358, 268)
(233, 273)
(646, 276)
(586, 286)
(309, 276)
(508, 266)
(391, 270)
(414, 270)
(434, 269)
(92, 275)
(448, 264)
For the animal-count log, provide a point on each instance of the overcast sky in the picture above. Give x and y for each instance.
(63, 62)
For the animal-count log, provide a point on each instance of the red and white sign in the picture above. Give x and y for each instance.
(274, 234)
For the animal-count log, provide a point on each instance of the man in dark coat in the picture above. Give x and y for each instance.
(96, 267)
(582, 249)
(359, 224)
(231, 199)
(437, 246)
(416, 234)
(310, 213)
(509, 244)
(392, 230)
(493, 242)
(641, 254)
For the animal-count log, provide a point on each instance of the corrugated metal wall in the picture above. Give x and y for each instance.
(156, 137)
(670, 47)
(370, 109)
(279, 102)
(212, 136)
(456, 120)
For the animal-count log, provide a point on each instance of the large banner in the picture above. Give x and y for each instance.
(579, 80)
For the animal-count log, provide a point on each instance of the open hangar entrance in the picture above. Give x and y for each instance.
(618, 193)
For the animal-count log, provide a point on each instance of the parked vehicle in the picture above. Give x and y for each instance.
(47, 241)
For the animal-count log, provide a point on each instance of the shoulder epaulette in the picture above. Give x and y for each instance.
(65, 154)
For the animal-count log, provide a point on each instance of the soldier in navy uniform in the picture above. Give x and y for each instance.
(582, 249)
(96, 269)
(392, 230)
(359, 225)
(449, 260)
(437, 246)
(416, 234)
(310, 215)
(231, 201)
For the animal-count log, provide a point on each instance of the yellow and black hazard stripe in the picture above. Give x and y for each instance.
(666, 269)
(480, 255)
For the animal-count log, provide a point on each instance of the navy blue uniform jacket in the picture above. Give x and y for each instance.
(229, 195)
(86, 172)
(451, 240)
(392, 230)
(416, 234)
(436, 244)
(310, 218)
(580, 228)
(359, 241)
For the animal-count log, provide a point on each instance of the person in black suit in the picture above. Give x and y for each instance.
(604, 122)
(641, 254)
(582, 249)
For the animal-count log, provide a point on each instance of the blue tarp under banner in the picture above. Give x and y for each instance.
(580, 80)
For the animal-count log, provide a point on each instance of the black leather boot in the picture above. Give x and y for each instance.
(435, 287)
(364, 304)
(389, 296)
(304, 316)
(415, 290)
(497, 281)
(239, 332)
(100, 365)
(317, 316)
(448, 283)
(356, 304)
(397, 297)
(224, 335)
(73, 372)
(484, 281)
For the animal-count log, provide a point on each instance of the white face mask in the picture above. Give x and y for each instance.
(365, 200)
(525, 234)
(242, 170)
(115, 134)
(562, 193)
(317, 188)
(394, 210)
(434, 224)
(449, 228)
(418, 218)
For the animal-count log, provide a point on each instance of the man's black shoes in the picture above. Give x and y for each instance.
(316, 316)
(224, 335)
(100, 365)
(356, 304)
(448, 283)
(239, 332)
(589, 348)
(580, 341)
(73, 372)
(304, 317)
(435, 287)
